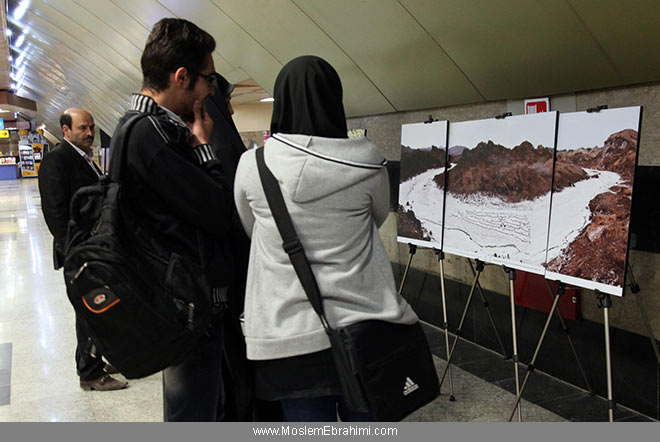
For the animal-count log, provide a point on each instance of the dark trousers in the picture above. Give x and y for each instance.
(89, 366)
(192, 389)
(321, 409)
(241, 403)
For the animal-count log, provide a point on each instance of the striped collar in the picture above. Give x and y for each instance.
(147, 105)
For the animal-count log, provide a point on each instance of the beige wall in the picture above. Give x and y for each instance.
(256, 136)
(252, 117)
(385, 131)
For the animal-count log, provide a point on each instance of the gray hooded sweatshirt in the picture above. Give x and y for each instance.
(337, 193)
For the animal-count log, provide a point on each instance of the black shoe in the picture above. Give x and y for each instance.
(110, 369)
(104, 383)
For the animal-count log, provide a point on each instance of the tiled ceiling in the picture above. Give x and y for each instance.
(392, 55)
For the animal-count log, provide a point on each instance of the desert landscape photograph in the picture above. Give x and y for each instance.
(421, 183)
(499, 183)
(591, 202)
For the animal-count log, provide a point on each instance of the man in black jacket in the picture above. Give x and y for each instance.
(63, 171)
(175, 186)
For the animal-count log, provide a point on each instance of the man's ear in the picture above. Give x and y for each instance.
(180, 77)
(65, 130)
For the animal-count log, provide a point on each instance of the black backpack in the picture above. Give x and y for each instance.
(144, 311)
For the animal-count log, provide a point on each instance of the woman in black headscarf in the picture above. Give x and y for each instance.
(337, 193)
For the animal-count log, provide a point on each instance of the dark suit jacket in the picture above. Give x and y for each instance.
(63, 171)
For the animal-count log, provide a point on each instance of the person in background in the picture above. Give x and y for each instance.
(337, 192)
(238, 372)
(63, 171)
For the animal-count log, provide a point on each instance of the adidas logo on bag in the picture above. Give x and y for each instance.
(409, 387)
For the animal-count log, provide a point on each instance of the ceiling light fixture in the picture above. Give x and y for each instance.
(21, 9)
(17, 76)
(8, 32)
(20, 59)
(20, 40)
(267, 100)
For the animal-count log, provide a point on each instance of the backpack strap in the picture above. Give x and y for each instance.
(117, 164)
(118, 147)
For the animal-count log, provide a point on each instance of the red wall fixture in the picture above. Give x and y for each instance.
(531, 292)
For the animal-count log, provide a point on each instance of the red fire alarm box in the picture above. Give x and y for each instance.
(537, 105)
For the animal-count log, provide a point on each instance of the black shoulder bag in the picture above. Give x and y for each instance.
(384, 369)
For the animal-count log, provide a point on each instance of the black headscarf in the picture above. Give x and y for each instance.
(225, 138)
(308, 99)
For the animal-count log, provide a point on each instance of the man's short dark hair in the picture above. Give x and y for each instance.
(174, 43)
(66, 120)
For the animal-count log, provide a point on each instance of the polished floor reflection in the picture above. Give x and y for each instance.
(38, 380)
(38, 321)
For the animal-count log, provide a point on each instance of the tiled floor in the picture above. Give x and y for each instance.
(37, 342)
(37, 335)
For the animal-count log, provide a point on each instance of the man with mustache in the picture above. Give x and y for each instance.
(63, 171)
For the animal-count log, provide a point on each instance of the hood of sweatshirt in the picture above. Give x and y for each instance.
(309, 167)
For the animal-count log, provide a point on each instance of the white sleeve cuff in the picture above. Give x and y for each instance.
(204, 153)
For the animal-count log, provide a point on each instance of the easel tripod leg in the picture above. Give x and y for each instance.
(412, 248)
(654, 344)
(490, 316)
(564, 327)
(459, 330)
(605, 302)
(634, 288)
(512, 277)
(530, 367)
(441, 258)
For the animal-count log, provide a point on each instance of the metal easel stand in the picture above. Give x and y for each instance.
(634, 288)
(605, 302)
(459, 330)
(570, 343)
(561, 289)
(441, 257)
(512, 277)
(486, 305)
(412, 249)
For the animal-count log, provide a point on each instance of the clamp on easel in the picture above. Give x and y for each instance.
(412, 249)
(596, 109)
(503, 116)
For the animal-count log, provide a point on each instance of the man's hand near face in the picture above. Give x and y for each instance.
(202, 126)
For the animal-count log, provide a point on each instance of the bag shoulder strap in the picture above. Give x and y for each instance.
(118, 147)
(290, 241)
(117, 164)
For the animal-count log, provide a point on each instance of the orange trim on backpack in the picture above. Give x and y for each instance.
(102, 310)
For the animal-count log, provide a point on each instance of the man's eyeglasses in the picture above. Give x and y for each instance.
(211, 79)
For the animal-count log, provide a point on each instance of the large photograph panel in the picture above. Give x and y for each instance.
(594, 171)
(421, 183)
(498, 189)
